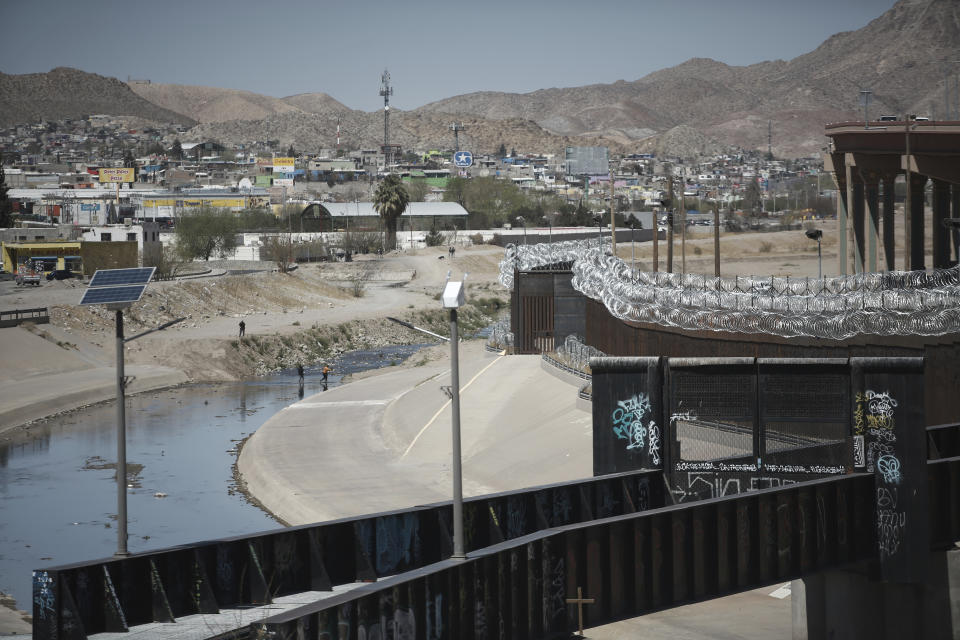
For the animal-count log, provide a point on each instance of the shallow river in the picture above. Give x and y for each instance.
(58, 496)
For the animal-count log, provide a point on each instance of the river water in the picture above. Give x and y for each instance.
(58, 495)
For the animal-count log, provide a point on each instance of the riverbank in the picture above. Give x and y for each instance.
(309, 316)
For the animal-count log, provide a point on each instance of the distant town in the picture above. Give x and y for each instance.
(65, 175)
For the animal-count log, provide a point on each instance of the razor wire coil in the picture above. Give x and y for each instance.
(891, 303)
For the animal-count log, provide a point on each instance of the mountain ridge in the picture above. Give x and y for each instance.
(897, 56)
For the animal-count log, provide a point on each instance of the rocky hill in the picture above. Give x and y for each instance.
(319, 103)
(70, 93)
(412, 130)
(899, 56)
(699, 104)
(210, 104)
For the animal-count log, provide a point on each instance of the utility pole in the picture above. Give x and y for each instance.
(866, 97)
(716, 239)
(670, 218)
(683, 223)
(656, 240)
(613, 220)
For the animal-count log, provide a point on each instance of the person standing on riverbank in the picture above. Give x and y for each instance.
(243, 328)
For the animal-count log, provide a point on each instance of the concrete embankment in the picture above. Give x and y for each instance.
(384, 442)
(43, 376)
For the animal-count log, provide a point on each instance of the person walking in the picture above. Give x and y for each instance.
(243, 328)
(300, 372)
(326, 371)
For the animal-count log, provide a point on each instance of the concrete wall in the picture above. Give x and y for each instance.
(108, 255)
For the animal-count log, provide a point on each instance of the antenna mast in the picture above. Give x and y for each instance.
(457, 127)
(386, 91)
(338, 133)
(769, 138)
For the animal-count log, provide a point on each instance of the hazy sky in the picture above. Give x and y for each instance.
(433, 49)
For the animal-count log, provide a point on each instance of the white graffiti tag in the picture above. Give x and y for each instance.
(881, 404)
(889, 468)
(628, 420)
(654, 432)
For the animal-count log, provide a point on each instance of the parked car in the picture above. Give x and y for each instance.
(59, 274)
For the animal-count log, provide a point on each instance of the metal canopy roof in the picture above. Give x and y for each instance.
(414, 209)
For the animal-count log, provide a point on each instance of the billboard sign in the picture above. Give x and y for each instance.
(116, 174)
(463, 158)
(283, 165)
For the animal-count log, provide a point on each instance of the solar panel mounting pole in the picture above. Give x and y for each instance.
(121, 446)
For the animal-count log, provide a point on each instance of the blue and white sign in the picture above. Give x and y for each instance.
(463, 158)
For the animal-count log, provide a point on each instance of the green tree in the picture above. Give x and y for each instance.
(752, 198)
(390, 201)
(456, 190)
(291, 152)
(6, 207)
(177, 149)
(417, 189)
(130, 162)
(502, 151)
(208, 231)
(281, 249)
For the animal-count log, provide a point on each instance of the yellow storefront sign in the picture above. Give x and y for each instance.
(116, 174)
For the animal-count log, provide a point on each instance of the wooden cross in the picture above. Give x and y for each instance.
(580, 601)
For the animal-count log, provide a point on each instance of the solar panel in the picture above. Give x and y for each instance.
(114, 277)
(107, 295)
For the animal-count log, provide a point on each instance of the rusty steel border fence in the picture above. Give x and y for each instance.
(629, 565)
(71, 602)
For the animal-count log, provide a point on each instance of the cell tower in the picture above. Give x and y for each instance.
(386, 91)
(457, 127)
(769, 138)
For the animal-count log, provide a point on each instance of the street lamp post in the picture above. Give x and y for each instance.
(817, 234)
(117, 289)
(452, 298)
(523, 223)
(600, 230)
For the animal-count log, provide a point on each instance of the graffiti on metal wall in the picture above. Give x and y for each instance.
(632, 421)
(397, 540)
(434, 626)
(43, 600)
(890, 521)
(654, 439)
(701, 486)
(873, 420)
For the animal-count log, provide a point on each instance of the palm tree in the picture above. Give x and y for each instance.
(390, 201)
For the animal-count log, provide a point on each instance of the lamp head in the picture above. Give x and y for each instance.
(814, 234)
